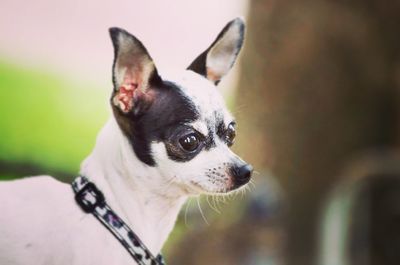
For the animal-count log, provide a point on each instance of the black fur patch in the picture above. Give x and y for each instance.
(161, 122)
(160, 113)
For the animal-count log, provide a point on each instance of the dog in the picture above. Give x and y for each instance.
(169, 138)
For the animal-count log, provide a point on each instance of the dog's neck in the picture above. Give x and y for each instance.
(137, 192)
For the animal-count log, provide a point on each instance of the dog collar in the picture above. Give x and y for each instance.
(92, 201)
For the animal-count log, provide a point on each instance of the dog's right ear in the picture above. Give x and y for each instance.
(134, 73)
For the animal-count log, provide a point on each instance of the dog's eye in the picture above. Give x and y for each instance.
(230, 134)
(189, 142)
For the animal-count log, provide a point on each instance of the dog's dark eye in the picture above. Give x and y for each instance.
(230, 134)
(189, 142)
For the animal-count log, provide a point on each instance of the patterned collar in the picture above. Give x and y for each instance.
(91, 200)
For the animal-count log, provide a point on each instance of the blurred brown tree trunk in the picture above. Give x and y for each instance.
(319, 84)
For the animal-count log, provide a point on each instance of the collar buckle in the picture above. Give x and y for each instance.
(88, 205)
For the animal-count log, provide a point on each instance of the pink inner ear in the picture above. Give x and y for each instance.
(212, 75)
(125, 96)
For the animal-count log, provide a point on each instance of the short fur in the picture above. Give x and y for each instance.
(139, 161)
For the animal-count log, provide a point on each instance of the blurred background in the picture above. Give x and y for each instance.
(315, 92)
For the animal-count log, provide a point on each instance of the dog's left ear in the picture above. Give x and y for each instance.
(134, 73)
(218, 59)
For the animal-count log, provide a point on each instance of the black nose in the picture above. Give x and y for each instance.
(242, 174)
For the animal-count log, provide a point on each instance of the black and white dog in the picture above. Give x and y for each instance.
(168, 138)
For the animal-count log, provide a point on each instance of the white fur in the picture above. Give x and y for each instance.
(40, 222)
(204, 94)
(196, 176)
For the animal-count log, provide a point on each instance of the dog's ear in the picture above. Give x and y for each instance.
(218, 59)
(134, 72)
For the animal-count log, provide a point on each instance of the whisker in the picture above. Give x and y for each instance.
(248, 188)
(211, 206)
(201, 211)
(186, 210)
(252, 185)
(223, 199)
(169, 182)
(216, 202)
(243, 192)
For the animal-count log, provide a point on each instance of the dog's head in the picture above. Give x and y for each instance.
(180, 125)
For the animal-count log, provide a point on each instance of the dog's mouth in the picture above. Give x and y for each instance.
(217, 186)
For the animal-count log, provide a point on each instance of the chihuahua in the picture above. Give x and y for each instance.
(169, 138)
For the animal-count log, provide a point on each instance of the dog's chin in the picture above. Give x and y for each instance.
(196, 188)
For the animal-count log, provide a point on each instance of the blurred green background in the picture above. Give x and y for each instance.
(48, 123)
(316, 95)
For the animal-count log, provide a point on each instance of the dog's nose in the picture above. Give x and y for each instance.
(242, 174)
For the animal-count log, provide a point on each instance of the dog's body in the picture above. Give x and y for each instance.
(168, 139)
(41, 223)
